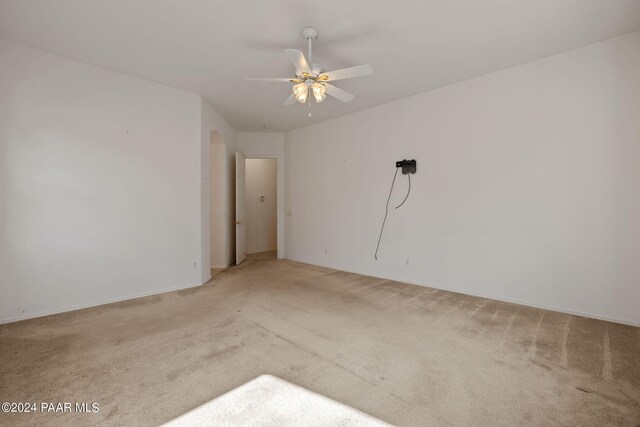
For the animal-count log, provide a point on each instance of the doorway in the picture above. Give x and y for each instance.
(261, 207)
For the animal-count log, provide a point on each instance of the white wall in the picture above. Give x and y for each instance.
(526, 190)
(268, 145)
(260, 205)
(99, 185)
(231, 201)
(212, 121)
(217, 187)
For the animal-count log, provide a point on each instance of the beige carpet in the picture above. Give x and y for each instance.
(271, 401)
(407, 355)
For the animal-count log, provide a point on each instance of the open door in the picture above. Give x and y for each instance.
(241, 251)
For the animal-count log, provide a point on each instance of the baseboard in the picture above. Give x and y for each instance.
(259, 252)
(220, 266)
(475, 294)
(444, 288)
(94, 304)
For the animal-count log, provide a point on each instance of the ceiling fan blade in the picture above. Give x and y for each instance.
(299, 61)
(336, 92)
(290, 100)
(273, 79)
(348, 73)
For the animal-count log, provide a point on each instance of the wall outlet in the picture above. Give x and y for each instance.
(406, 261)
(195, 265)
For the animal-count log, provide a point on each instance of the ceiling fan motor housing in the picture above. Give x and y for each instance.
(316, 70)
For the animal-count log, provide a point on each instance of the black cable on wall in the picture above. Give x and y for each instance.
(408, 167)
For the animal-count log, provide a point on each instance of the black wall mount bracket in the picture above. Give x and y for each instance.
(408, 166)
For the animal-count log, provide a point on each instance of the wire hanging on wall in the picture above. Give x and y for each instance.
(408, 168)
(408, 191)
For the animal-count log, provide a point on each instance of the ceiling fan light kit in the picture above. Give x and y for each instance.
(311, 78)
(319, 91)
(300, 92)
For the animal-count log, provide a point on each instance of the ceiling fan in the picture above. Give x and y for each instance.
(311, 78)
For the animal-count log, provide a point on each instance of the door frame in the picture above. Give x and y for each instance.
(239, 217)
(279, 201)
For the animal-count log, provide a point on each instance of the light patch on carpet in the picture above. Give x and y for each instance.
(271, 401)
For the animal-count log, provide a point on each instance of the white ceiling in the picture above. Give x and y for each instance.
(209, 46)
